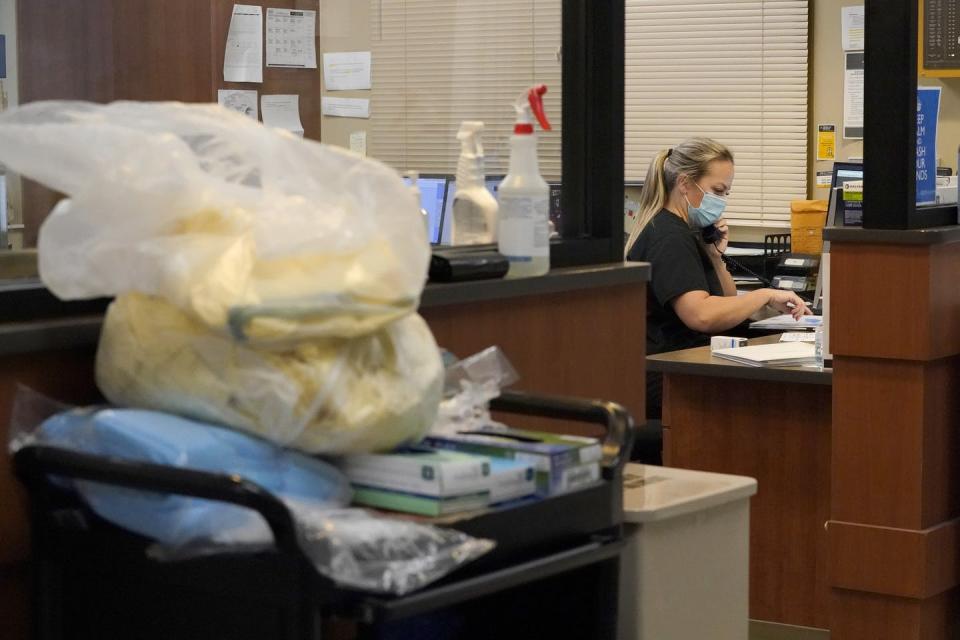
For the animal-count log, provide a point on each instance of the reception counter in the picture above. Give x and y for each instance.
(772, 424)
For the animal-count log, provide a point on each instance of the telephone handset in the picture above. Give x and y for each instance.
(710, 234)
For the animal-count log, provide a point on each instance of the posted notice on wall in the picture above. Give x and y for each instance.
(824, 179)
(346, 71)
(291, 38)
(853, 96)
(282, 112)
(242, 100)
(826, 141)
(852, 28)
(928, 112)
(243, 57)
(358, 142)
(345, 107)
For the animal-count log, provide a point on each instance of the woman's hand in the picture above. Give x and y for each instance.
(788, 302)
(720, 246)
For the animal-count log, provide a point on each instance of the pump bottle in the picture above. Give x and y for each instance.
(474, 208)
(524, 235)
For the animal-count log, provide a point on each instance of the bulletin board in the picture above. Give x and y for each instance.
(938, 41)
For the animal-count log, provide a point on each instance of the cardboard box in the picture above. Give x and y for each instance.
(807, 218)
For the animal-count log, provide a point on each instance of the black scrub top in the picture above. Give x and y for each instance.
(679, 264)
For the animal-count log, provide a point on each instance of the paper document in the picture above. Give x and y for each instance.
(853, 96)
(778, 354)
(291, 38)
(345, 107)
(358, 142)
(743, 251)
(242, 100)
(282, 112)
(346, 71)
(852, 19)
(786, 321)
(824, 178)
(243, 57)
(826, 141)
(798, 336)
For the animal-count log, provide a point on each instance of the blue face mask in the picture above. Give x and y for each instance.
(710, 210)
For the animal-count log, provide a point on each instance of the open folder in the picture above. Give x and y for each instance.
(778, 354)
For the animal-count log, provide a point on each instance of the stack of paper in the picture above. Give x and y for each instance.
(787, 323)
(779, 354)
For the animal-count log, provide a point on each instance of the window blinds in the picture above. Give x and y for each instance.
(438, 62)
(735, 71)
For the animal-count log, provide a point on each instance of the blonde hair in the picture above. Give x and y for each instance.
(692, 158)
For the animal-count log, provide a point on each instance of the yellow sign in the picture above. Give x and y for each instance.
(826, 141)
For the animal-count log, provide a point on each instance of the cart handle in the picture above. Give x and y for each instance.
(615, 419)
(33, 463)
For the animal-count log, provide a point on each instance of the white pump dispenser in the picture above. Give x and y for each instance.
(524, 195)
(474, 208)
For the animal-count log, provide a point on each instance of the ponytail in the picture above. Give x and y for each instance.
(691, 158)
(652, 198)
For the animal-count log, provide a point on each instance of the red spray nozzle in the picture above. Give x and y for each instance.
(531, 102)
(535, 96)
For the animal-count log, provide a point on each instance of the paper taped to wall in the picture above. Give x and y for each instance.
(346, 71)
(291, 38)
(345, 107)
(282, 112)
(242, 100)
(243, 57)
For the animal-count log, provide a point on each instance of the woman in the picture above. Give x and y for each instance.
(692, 295)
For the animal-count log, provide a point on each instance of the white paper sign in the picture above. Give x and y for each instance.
(346, 71)
(853, 96)
(291, 38)
(345, 107)
(358, 142)
(243, 57)
(282, 112)
(242, 100)
(853, 28)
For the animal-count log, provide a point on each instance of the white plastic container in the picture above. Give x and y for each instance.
(524, 196)
(474, 208)
(685, 570)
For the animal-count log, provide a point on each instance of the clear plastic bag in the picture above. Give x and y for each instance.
(350, 546)
(243, 227)
(469, 386)
(263, 281)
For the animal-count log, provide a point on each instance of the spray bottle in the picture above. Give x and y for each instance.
(524, 236)
(474, 208)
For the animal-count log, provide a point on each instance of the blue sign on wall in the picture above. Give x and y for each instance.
(928, 112)
(3, 56)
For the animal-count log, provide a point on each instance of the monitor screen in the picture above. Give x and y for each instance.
(433, 189)
(446, 233)
(844, 172)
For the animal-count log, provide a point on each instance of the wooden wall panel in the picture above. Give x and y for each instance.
(581, 343)
(901, 280)
(896, 430)
(779, 434)
(856, 615)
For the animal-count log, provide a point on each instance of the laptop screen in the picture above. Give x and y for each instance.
(433, 189)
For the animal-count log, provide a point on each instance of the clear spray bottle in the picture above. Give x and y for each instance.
(474, 208)
(524, 236)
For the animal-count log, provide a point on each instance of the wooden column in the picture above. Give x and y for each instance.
(894, 533)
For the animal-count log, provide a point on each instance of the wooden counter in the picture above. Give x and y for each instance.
(772, 424)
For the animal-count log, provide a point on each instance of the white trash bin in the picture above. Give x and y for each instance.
(684, 574)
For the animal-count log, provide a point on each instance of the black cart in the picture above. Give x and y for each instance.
(553, 573)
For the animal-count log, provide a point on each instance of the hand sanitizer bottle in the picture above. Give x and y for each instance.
(524, 236)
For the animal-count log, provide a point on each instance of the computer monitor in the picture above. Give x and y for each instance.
(433, 191)
(446, 232)
(844, 172)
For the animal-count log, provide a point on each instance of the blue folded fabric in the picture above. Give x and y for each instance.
(164, 439)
